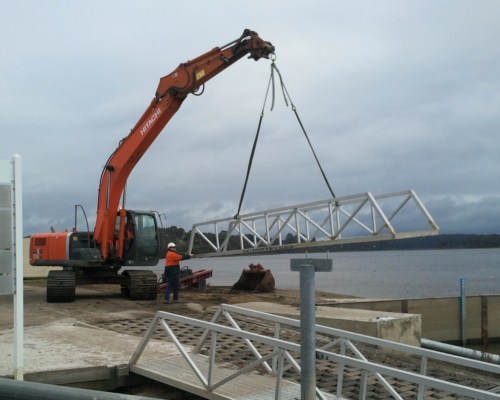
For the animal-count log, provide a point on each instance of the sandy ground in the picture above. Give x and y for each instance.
(98, 303)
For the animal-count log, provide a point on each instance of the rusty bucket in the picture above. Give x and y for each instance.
(255, 279)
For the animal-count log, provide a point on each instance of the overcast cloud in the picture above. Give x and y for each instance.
(394, 95)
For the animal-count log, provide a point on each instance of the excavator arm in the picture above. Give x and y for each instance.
(172, 90)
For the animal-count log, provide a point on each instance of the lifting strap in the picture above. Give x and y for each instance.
(287, 99)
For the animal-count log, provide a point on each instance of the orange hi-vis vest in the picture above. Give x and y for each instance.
(173, 259)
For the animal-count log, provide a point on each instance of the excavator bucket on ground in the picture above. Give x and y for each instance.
(254, 279)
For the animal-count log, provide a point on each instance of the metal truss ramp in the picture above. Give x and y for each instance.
(350, 219)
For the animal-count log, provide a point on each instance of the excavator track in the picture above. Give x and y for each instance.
(61, 286)
(142, 285)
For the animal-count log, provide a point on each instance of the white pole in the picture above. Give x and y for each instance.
(17, 254)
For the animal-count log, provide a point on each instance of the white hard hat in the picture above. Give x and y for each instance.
(171, 244)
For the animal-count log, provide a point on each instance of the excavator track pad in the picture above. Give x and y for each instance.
(61, 286)
(142, 285)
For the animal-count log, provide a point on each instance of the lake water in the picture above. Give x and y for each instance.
(375, 274)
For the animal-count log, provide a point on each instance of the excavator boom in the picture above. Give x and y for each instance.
(171, 92)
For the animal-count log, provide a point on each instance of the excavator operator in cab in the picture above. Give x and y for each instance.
(129, 233)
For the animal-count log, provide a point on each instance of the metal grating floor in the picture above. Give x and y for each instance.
(175, 371)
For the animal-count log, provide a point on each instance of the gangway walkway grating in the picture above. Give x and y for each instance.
(350, 362)
(175, 371)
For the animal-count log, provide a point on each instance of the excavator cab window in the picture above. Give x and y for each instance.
(141, 239)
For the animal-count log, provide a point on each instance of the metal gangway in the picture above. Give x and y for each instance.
(247, 354)
(350, 219)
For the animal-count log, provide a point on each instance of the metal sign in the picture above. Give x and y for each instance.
(6, 213)
(11, 251)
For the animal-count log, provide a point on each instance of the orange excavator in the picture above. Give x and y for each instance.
(121, 237)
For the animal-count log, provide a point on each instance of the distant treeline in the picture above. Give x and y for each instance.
(445, 241)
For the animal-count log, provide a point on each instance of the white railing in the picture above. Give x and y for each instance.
(356, 218)
(345, 350)
(349, 342)
(207, 376)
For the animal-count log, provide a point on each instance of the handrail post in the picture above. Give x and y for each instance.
(213, 351)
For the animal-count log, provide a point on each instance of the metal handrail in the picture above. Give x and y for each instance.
(283, 351)
(349, 219)
(282, 348)
(281, 321)
(345, 339)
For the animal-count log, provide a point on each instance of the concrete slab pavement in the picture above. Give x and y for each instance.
(67, 345)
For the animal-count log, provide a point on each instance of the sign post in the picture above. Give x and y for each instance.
(308, 268)
(11, 250)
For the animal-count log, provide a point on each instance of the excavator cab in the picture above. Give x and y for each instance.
(141, 245)
(141, 239)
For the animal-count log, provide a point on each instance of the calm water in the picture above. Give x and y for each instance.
(377, 274)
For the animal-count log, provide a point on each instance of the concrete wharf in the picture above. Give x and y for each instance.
(68, 352)
(90, 342)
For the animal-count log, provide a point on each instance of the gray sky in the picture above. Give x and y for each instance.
(394, 95)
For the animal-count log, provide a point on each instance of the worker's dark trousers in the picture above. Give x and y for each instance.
(172, 278)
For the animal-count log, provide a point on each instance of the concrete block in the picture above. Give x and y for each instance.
(397, 327)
